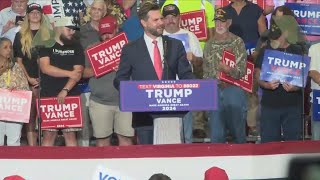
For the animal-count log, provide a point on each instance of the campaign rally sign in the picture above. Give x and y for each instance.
(261, 3)
(105, 57)
(286, 67)
(84, 86)
(316, 105)
(15, 105)
(250, 47)
(195, 21)
(168, 95)
(51, 8)
(307, 16)
(246, 81)
(184, 38)
(56, 116)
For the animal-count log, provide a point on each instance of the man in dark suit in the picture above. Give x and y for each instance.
(152, 57)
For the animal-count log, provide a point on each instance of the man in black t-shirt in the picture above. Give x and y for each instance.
(281, 103)
(61, 68)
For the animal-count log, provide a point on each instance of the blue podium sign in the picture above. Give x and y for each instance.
(168, 95)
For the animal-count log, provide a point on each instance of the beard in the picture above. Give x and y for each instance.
(155, 31)
(221, 30)
(67, 41)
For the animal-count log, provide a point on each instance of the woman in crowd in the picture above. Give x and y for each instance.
(13, 78)
(27, 58)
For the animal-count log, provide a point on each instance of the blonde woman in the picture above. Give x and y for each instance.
(27, 58)
(11, 77)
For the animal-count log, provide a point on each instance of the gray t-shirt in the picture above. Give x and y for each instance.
(102, 89)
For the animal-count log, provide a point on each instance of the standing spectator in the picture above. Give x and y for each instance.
(141, 60)
(126, 5)
(105, 114)
(230, 113)
(315, 84)
(248, 22)
(269, 6)
(89, 35)
(61, 68)
(5, 4)
(195, 5)
(171, 14)
(75, 9)
(27, 59)
(115, 9)
(13, 78)
(9, 24)
(281, 111)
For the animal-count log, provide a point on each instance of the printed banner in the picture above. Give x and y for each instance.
(308, 17)
(15, 105)
(57, 116)
(195, 21)
(51, 8)
(286, 67)
(171, 95)
(223, 3)
(246, 81)
(316, 105)
(184, 38)
(105, 57)
(250, 47)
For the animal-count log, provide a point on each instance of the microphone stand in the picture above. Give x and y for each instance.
(39, 120)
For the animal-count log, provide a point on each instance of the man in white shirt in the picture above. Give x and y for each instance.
(171, 14)
(8, 24)
(314, 73)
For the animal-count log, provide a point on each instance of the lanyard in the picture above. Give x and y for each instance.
(8, 78)
(202, 4)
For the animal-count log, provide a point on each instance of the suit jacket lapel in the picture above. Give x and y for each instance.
(166, 54)
(146, 58)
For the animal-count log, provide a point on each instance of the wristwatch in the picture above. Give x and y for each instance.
(66, 89)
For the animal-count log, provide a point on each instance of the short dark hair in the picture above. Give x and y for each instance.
(159, 176)
(145, 8)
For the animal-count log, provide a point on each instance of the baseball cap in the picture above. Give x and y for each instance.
(14, 177)
(170, 9)
(216, 173)
(66, 21)
(33, 6)
(221, 15)
(107, 25)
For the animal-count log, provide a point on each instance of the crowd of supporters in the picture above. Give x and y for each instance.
(56, 64)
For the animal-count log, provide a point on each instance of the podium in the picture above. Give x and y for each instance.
(167, 101)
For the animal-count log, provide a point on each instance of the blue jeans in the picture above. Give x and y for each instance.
(145, 134)
(231, 114)
(186, 131)
(286, 120)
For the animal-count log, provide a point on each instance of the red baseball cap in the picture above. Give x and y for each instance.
(14, 177)
(216, 173)
(107, 25)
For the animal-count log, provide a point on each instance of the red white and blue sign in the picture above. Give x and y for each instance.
(286, 67)
(307, 16)
(316, 105)
(168, 95)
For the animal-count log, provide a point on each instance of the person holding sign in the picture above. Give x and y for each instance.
(61, 68)
(13, 78)
(232, 101)
(155, 57)
(105, 114)
(27, 58)
(281, 103)
(171, 14)
(315, 86)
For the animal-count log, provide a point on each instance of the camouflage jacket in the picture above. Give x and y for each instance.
(213, 52)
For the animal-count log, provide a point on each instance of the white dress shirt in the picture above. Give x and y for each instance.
(150, 46)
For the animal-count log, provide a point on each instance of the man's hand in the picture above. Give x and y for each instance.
(61, 96)
(34, 82)
(190, 56)
(9, 25)
(270, 85)
(289, 88)
(224, 68)
(75, 75)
